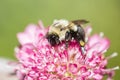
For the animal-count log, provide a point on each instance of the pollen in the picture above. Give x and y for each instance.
(82, 43)
(68, 74)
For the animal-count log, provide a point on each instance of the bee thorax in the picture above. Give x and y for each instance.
(74, 28)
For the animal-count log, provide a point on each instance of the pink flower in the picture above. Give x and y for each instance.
(7, 69)
(41, 61)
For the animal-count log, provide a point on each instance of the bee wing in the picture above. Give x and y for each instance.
(79, 22)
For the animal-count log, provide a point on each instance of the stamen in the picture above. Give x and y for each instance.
(104, 51)
(101, 34)
(111, 69)
(89, 30)
(116, 68)
(113, 55)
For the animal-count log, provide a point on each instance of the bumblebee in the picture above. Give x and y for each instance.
(64, 30)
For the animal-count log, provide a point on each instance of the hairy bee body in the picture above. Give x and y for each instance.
(66, 30)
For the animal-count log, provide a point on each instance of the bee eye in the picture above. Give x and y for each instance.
(53, 39)
(61, 29)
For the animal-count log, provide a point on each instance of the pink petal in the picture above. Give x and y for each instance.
(28, 36)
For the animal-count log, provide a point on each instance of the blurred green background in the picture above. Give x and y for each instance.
(15, 15)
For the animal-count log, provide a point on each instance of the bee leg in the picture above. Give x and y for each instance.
(68, 37)
(82, 44)
(80, 36)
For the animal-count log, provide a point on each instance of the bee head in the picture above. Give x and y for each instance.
(53, 39)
